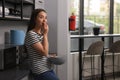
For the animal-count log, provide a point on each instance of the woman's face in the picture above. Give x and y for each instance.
(41, 17)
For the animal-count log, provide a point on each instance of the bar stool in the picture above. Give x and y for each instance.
(96, 48)
(114, 48)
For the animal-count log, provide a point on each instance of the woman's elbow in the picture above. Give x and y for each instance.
(44, 53)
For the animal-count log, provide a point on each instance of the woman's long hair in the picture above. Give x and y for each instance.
(33, 17)
(32, 22)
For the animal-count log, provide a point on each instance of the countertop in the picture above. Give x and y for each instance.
(5, 46)
(15, 73)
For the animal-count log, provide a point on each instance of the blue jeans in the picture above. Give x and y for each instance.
(49, 75)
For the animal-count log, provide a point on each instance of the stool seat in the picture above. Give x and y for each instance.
(114, 48)
(96, 48)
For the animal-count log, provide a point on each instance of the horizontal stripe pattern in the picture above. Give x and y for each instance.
(37, 62)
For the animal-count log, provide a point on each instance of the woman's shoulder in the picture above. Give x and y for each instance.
(31, 33)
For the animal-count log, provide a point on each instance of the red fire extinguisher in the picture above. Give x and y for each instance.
(72, 22)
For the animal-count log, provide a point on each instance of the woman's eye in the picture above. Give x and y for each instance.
(40, 17)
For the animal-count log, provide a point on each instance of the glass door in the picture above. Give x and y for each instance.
(96, 14)
(116, 28)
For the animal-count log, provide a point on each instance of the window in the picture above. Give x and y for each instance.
(96, 13)
(116, 17)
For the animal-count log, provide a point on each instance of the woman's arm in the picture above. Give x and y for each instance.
(42, 48)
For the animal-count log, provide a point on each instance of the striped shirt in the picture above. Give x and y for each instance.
(38, 63)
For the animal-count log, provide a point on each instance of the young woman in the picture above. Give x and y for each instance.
(36, 42)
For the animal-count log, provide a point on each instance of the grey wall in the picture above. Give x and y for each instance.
(58, 13)
(52, 10)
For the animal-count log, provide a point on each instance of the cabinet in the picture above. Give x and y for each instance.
(16, 9)
(39, 4)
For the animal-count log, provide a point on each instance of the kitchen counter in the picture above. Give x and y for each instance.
(5, 46)
(19, 72)
(16, 73)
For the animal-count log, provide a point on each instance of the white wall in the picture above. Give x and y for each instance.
(64, 40)
(52, 8)
(58, 13)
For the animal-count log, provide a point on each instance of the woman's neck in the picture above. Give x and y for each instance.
(37, 30)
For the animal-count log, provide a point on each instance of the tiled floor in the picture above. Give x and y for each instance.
(105, 78)
(115, 79)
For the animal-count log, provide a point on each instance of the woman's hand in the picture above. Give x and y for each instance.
(52, 55)
(45, 27)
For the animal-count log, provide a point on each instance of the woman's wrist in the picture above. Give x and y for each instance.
(45, 34)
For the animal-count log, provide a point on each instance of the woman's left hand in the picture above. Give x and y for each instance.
(52, 55)
(46, 28)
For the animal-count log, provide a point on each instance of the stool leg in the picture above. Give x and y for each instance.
(118, 63)
(104, 65)
(113, 66)
(93, 66)
(92, 72)
(99, 67)
(83, 63)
